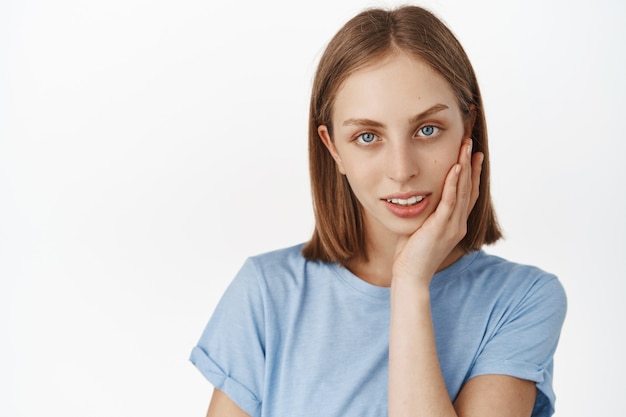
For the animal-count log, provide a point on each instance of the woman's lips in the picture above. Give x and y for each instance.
(407, 205)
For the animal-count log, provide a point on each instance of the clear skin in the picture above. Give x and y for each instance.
(398, 132)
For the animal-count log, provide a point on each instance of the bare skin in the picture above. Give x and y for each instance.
(222, 406)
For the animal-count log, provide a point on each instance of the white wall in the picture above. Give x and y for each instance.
(148, 147)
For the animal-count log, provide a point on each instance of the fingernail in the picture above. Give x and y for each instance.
(469, 148)
(457, 169)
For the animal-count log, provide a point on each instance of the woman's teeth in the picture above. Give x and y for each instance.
(408, 202)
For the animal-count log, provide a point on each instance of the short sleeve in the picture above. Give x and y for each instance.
(524, 344)
(230, 352)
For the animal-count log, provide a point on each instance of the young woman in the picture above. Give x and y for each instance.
(392, 308)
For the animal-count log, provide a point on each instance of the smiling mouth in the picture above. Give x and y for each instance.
(406, 203)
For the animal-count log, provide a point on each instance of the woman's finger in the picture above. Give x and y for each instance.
(449, 194)
(464, 185)
(457, 185)
(477, 167)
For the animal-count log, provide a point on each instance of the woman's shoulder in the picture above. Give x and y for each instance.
(497, 266)
(486, 273)
(284, 265)
(284, 253)
(507, 275)
(286, 258)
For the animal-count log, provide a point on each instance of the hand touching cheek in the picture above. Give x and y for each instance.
(422, 253)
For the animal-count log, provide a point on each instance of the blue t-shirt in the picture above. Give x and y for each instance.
(291, 337)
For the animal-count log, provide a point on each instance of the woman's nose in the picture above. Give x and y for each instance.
(401, 165)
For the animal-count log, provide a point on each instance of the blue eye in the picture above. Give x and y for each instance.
(427, 131)
(366, 138)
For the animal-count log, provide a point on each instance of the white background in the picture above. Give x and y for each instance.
(148, 147)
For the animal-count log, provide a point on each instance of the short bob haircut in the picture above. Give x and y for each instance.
(369, 37)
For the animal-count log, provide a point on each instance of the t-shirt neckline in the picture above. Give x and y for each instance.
(382, 293)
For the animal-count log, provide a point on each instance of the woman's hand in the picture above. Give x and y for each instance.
(422, 253)
(416, 385)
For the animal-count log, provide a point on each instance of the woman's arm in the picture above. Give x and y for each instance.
(416, 384)
(496, 395)
(222, 406)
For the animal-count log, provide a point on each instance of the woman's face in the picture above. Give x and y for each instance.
(397, 131)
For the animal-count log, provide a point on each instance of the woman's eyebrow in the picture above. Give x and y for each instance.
(362, 122)
(372, 123)
(434, 109)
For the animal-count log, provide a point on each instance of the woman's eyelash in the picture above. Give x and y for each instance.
(366, 138)
(428, 131)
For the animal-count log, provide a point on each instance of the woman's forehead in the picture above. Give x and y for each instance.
(398, 84)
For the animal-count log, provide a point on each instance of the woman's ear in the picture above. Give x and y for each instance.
(324, 134)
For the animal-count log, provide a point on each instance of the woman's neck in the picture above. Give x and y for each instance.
(377, 269)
